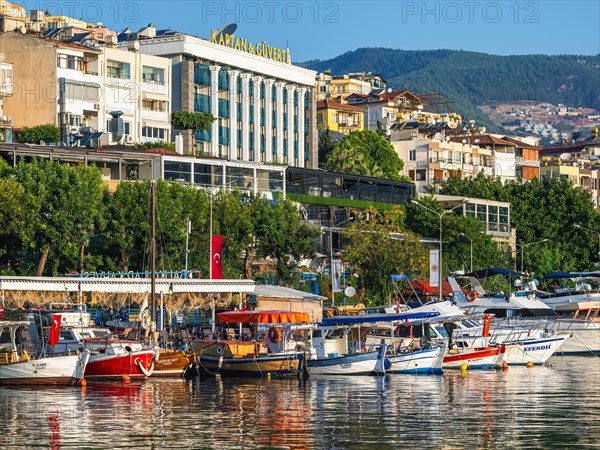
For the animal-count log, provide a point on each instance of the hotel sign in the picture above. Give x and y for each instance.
(259, 49)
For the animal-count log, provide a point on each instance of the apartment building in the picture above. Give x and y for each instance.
(80, 87)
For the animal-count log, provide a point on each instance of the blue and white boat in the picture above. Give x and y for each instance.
(425, 361)
(339, 347)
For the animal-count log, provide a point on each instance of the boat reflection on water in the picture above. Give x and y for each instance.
(522, 407)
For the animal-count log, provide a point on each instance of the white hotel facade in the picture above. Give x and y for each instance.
(265, 109)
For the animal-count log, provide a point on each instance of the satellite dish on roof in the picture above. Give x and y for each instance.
(565, 156)
(227, 29)
(350, 291)
(438, 136)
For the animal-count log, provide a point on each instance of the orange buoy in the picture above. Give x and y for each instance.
(82, 383)
(126, 379)
(504, 366)
(529, 364)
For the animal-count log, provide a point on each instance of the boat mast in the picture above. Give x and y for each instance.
(153, 250)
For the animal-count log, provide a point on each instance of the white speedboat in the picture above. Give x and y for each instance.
(333, 353)
(17, 367)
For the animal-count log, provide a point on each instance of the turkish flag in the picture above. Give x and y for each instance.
(55, 329)
(217, 266)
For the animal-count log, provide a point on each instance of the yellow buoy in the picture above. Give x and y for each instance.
(529, 364)
(464, 367)
(268, 374)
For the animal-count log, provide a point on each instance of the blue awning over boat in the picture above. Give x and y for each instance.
(557, 275)
(373, 318)
(484, 273)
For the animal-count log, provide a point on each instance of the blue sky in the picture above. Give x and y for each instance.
(321, 30)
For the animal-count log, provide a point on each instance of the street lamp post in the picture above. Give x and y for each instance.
(331, 257)
(471, 241)
(441, 216)
(527, 245)
(591, 231)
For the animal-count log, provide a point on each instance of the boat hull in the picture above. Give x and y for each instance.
(172, 363)
(532, 351)
(45, 371)
(134, 365)
(426, 361)
(261, 366)
(582, 342)
(354, 364)
(475, 359)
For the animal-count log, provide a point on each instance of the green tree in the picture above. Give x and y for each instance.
(17, 208)
(374, 150)
(47, 133)
(345, 158)
(378, 246)
(542, 209)
(185, 120)
(283, 236)
(326, 146)
(71, 208)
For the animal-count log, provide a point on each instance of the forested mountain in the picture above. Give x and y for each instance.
(470, 79)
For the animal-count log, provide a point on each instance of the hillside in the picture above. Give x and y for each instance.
(472, 79)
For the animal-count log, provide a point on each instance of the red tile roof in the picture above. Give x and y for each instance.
(332, 104)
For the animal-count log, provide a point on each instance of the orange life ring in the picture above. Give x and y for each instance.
(472, 296)
(275, 334)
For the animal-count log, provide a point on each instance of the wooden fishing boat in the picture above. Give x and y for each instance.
(172, 363)
(252, 358)
(239, 358)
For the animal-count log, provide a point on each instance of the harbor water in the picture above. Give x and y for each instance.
(553, 406)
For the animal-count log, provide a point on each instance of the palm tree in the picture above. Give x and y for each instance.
(345, 158)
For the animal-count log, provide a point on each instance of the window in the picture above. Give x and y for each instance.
(153, 75)
(71, 62)
(155, 133)
(118, 69)
(412, 155)
(334, 117)
(154, 105)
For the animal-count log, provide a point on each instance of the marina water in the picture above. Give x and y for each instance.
(554, 406)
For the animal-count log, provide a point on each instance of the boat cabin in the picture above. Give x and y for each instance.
(10, 347)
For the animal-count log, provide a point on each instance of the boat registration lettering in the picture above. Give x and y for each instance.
(537, 348)
(345, 366)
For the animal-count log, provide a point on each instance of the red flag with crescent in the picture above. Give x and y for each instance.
(55, 329)
(217, 266)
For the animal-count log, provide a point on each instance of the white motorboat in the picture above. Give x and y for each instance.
(17, 367)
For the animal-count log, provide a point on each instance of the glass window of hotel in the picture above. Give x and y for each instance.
(493, 217)
(178, 171)
(457, 157)
(503, 218)
(153, 75)
(208, 175)
(241, 177)
(482, 213)
(470, 210)
(118, 69)
(412, 155)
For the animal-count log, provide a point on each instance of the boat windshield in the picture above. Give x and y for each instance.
(441, 331)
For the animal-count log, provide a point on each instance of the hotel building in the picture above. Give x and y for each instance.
(265, 107)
